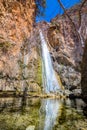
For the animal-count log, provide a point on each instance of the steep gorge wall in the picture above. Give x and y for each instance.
(66, 44)
(20, 46)
(17, 54)
(84, 73)
(16, 22)
(68, 40)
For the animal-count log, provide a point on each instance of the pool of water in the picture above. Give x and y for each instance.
(42, 114)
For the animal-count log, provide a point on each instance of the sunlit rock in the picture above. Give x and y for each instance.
(30, 128)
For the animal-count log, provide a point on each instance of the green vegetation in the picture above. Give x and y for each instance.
(68, 119)
(39, 72)
(26, 116)
(20, 114)
(5, 46)
(40, 4)
(21, 64)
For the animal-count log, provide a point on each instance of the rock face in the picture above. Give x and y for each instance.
(66, 41)
(67, 45)
(19, 60)
(84, 73)
(16, 20)
(20, 49)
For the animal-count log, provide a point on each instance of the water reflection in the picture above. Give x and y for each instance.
(50, 107)
(78, 104)
(40, 114)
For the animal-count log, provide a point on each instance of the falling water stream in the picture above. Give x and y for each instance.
(50, 83)
(81, 38)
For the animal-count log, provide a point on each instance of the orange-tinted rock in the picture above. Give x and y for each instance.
(16, 22)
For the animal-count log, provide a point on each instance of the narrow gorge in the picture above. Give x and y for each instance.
(43, 65)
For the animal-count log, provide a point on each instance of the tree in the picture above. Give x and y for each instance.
(40, 6)
(73, 24)
(80, 9)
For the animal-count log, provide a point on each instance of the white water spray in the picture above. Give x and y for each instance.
(82, 42)
(50, 83)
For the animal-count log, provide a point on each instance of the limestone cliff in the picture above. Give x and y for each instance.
(20, 46)
(17, 55)
(66, 41)
(16, 20)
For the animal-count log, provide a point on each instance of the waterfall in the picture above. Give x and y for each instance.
(82, 42)
(50, 83)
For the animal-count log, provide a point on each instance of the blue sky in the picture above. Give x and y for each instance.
(53, 8)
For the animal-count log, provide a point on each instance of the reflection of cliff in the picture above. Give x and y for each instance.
(18, 116)
(41, 114)
(70, 118)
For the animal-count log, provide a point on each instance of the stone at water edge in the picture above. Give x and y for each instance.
(31, 127)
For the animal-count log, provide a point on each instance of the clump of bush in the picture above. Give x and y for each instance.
(5, 46)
